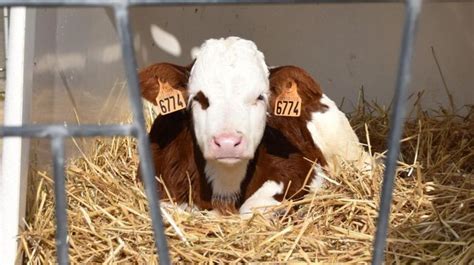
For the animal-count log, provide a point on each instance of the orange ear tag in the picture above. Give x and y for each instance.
(288, 103)
(169, 99)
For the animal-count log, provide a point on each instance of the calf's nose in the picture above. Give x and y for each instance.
(227, 145)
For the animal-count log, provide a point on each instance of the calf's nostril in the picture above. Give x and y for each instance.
(237, 143)
(216, 142)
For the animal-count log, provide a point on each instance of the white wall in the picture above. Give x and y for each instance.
(344, 46)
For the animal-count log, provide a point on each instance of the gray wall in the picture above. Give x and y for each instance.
(78, 74)
(345, 47)
(77, 68)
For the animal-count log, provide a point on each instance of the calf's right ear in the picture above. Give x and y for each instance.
(176, 76)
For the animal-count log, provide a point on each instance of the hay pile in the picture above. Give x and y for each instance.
(432, 215)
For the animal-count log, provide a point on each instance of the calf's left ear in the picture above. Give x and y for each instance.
(292, 82)
(150, 77)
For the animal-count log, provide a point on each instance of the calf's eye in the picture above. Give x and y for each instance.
(260, 97)
(202, 100)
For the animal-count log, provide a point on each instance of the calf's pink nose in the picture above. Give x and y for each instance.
(227, 145)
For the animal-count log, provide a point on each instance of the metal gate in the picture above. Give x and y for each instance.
(58, 133)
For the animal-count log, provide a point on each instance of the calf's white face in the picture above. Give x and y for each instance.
(229, 89)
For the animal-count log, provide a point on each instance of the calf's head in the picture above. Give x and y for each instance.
(229, 89)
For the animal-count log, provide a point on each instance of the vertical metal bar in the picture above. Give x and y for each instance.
(146, 165)
(413, 8)
(57, 146)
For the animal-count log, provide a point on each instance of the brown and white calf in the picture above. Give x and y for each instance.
(227, 149)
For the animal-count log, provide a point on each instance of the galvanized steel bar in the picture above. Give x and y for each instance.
(166, 2)
(413, 8)
(57, 147)
(187, 2)
(146, 163)
(42, 131)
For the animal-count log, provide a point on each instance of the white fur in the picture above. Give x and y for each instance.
(262, 198)
(232, 74)
(318, 179)
(333, 134)
(225, 179)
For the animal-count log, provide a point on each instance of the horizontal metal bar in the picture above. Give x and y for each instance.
(181, 2)
(53, 130)
(188, 2)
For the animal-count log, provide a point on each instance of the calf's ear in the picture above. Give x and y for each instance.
(284, 77)
(176, 76)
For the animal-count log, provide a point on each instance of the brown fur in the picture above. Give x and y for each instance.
(177, 76)
(176, 159)
(203, 100)
(280, 156)
(175, 155)
(294, 128)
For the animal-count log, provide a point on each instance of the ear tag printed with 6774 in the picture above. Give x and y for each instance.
(288, 103)
(169, 99)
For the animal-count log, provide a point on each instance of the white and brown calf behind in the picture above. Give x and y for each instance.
(229, 89)
(279, 160)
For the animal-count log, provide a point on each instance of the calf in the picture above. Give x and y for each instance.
(223, 145)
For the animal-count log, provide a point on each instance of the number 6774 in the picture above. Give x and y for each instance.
(286, 107)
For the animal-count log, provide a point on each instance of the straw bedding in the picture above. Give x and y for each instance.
(432, 216)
